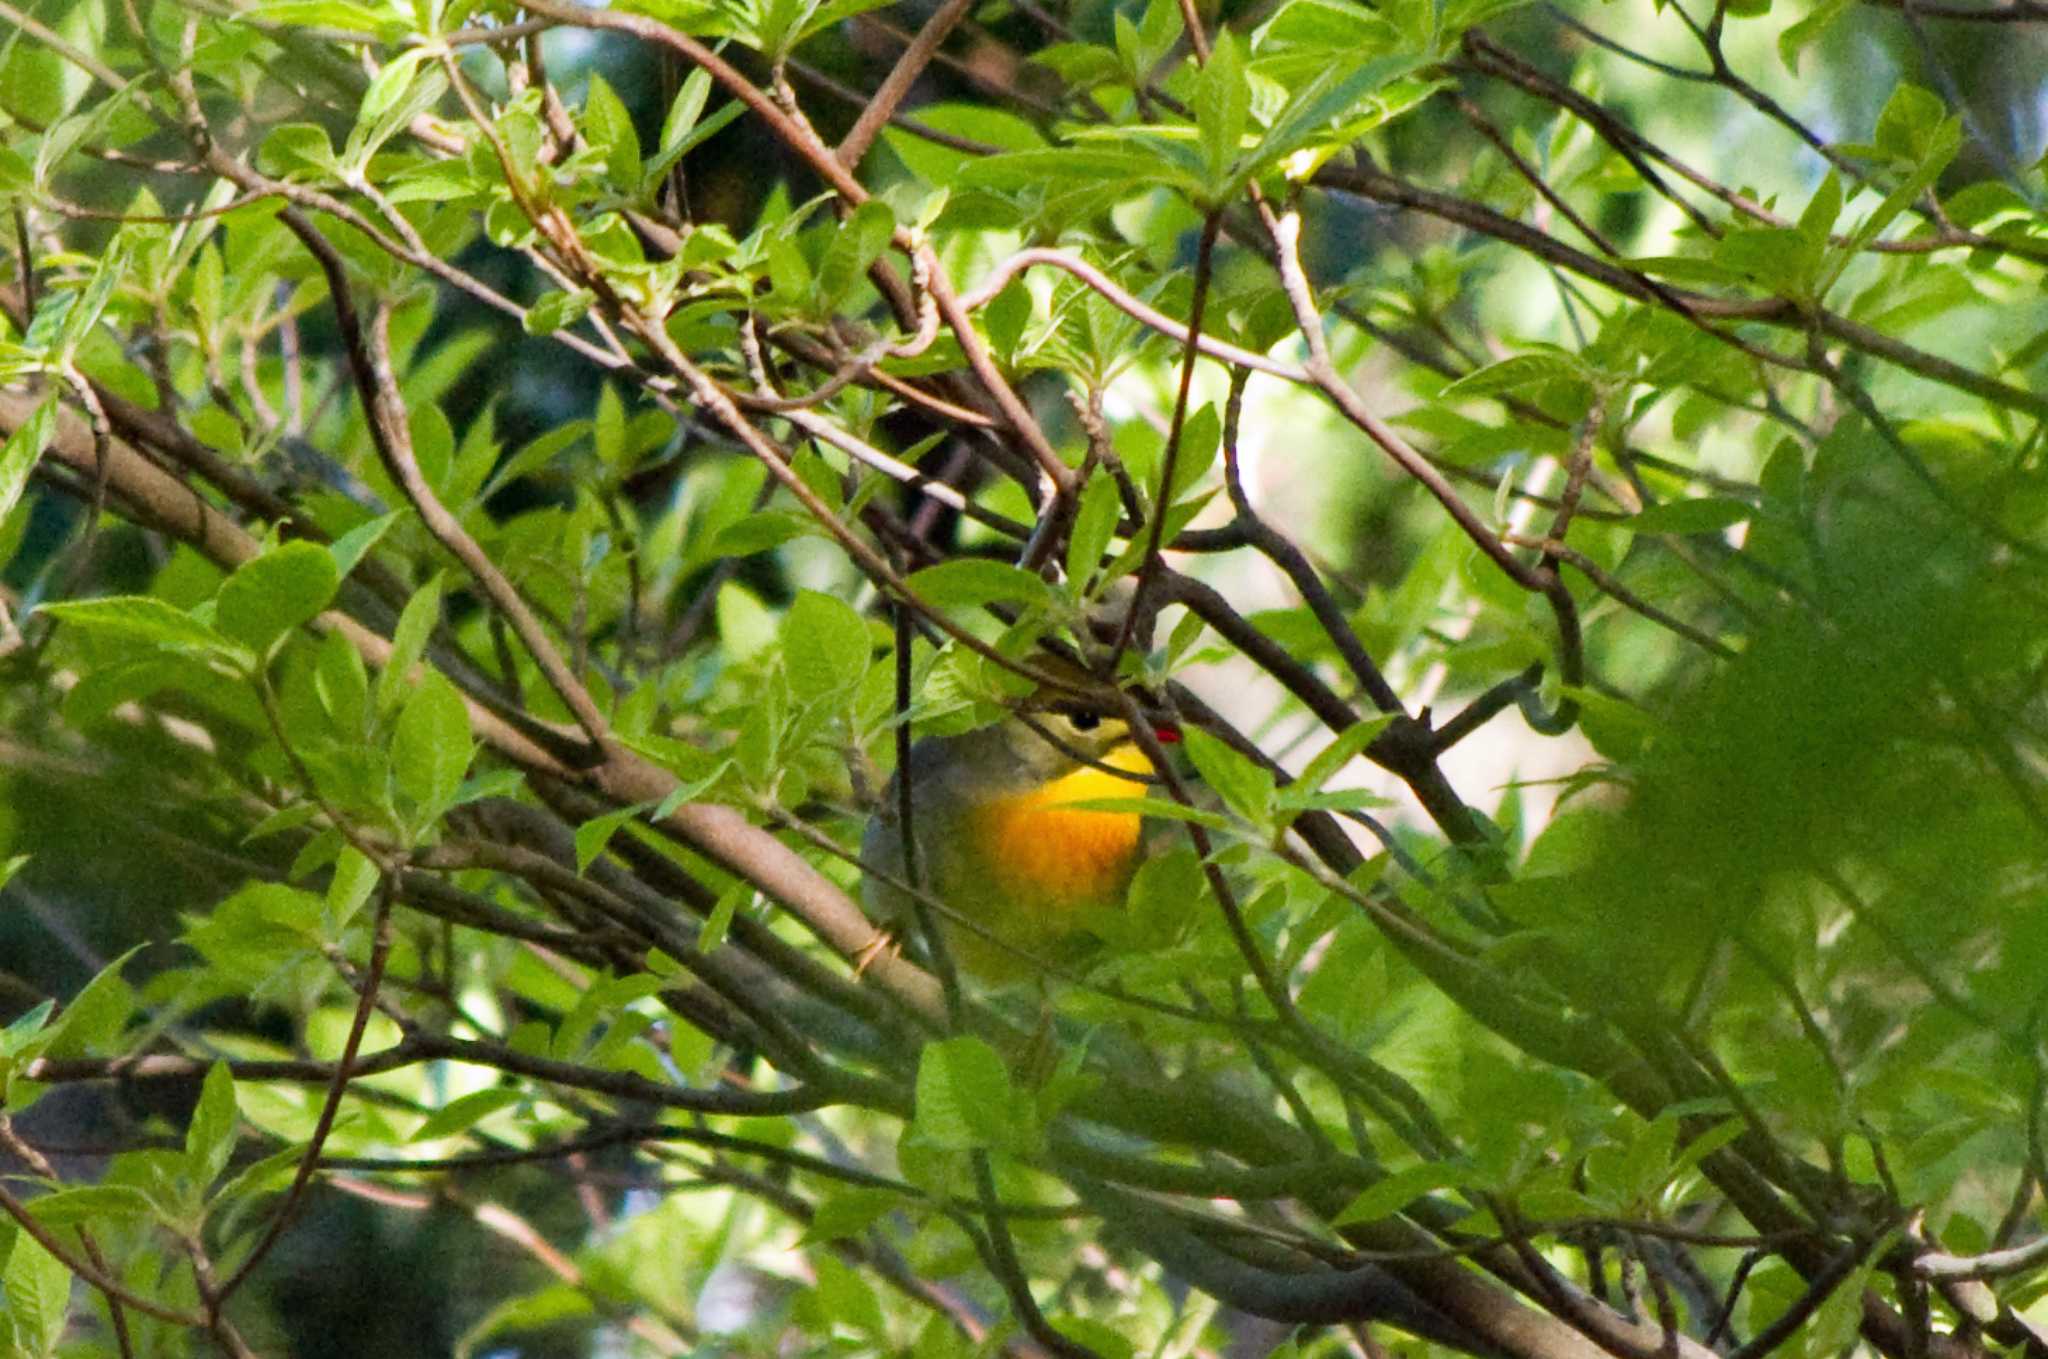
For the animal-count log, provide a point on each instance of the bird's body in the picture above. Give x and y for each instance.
(1000, 842)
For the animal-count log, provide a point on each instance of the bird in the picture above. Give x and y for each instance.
(1000, 843)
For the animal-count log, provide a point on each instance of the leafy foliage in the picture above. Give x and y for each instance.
(482, 504)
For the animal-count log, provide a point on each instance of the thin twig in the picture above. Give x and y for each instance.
(372, 980)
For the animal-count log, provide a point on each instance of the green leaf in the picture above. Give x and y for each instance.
(461, 1114)
(1156, 908)
(745, 625)
(680, 124)
(25, 1028)
(439, 181)
(298, 151)
(1152, 807)
(1692, 516)
(719, 922)
(20, 454)
(608, 428)
(849, 1212)
(289, 817)
(91, 1203)
(16, 174)
(210, 1137)
(144, 618)
(964, 1097)
(1320, 27)
(1801, 35)
(38, 1297)
(1706, 1144)
(1094, 525)
(1619, 730)
(789, 273)
(859, 242)
(342, 14)
(270, 1175)
(1400, 1189)
(1245, 787)
(66, 134)
(557, 310)
(408, 642)
(1832, 1327)
(1908, 122)
(593, 835)
(1178, 516)
(1068, 166)
(610, 129)
(694, 137)
(1818, 220)
(1516, 373)
(844, 1299)
(1781, 259)
(1334, 756)
(94, 1019)
(1154, 36)
(1223, 99)
(825, 646)
(938, 165)
(1093, 1336)
(1647, 1163)
(1683, 269)
(969, 581)
(351, 547)
(778, 24)
(1941, 146)
(1460, 15)
(697, 770)
(549, 1306)
(490, 784)
(355, 877)
(430, 745)
(270, 595)
(209, 286)
(1005, 318)
(1200, 437)
(756, 749)
(1334, 94)
(408, 86)
(760, 532)
(86, 305)
(1332, 800)
(342, 684)
(830, 12)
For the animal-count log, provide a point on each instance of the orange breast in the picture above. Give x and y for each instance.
(1048, 854)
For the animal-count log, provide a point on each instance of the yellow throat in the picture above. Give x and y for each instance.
(1044, 851)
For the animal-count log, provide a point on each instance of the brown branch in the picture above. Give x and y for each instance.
(369, 362)
(846, 94)
(1281, 551)
(1607, 584)
(895, 87)
(804, 142)
(786, 1047)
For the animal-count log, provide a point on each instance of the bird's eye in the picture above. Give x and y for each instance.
(1085, 721)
